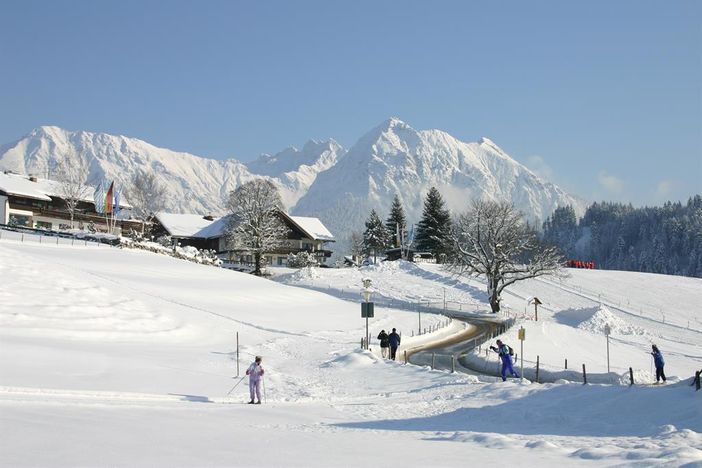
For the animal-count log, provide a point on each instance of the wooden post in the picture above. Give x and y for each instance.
(566, 363)
(405, 356)
(453, 363)
(537, 368)
(362, 347)
(584, 376)
(433, 358)
(631, 376)
(536, 317)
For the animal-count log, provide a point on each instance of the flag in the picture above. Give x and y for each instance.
(115, 208)
(109, 199)
(99, 198)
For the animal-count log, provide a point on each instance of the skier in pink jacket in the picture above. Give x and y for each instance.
(255, 373)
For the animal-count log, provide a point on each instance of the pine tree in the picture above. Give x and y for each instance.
(433, 230)
(375, 237)
(396, 223)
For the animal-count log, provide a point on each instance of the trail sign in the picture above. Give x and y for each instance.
(522, 334)
(367, 309)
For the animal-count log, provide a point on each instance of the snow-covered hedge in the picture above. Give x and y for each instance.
(163, 246)
(301, 260)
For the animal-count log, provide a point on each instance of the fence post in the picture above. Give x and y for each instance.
(22, 239)
(584, 376)
(405, 356)
(631, 376)
(697, 380)
(453, 363)
(537, 368)
(433, 358)
(566, 363)
(362, 347)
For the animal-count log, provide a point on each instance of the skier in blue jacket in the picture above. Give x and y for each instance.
(659, 362)
(503, 351)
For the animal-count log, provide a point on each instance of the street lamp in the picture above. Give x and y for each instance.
(367, 306)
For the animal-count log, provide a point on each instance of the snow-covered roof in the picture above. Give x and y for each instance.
(313, 227)
(14, 184)
(41, 189)
(191, 225)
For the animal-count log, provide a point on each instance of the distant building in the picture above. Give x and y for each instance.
(31, 202)
(306, 234)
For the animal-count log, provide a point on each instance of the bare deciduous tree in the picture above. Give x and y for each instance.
(491, 239)
(147, 196)
(255, 225)
(355, 242)
(71, 175)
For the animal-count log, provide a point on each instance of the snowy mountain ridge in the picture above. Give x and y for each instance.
(322, 179)
(194, 184)
(394, 158)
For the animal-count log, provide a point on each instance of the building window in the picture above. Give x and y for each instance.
(20, 220)
(282, 261)
(43, 225)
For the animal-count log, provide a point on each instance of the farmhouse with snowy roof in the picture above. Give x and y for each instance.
(35, 203)
(306, 234)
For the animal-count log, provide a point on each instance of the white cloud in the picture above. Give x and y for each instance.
(610, 183)
(664, 188)
(538, 166)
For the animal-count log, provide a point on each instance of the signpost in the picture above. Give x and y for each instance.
(607, 331)
(522, 337)
(537, 302)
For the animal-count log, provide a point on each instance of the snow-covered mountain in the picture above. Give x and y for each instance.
(322, 179)
(195, 184)
(394, 158)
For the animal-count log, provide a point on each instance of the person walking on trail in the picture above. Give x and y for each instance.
(659, 362)
(394, 341)
(384, 343)
(505, 354)
(255, 373)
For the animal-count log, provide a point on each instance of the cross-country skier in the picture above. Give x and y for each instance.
(384, 343)
(255, 373)
(659, 362)
(503, 351)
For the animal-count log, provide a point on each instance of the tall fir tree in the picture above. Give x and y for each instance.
(433, 230)
(396, 223)
(375, 237)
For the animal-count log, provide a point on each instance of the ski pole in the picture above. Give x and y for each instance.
(235, 385)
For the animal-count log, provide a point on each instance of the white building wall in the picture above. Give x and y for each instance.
(4, 209)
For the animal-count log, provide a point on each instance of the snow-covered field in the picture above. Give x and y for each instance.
(114, 357)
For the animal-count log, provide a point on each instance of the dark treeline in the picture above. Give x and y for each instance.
(665, 239)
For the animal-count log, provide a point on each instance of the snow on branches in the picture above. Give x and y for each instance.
(491, 239)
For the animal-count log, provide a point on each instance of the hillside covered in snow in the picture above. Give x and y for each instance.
(119, 357)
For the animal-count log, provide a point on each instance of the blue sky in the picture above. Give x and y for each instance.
(603, 98)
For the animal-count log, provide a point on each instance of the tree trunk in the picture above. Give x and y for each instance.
(257, 264)
(494, 291)
(495, 302)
